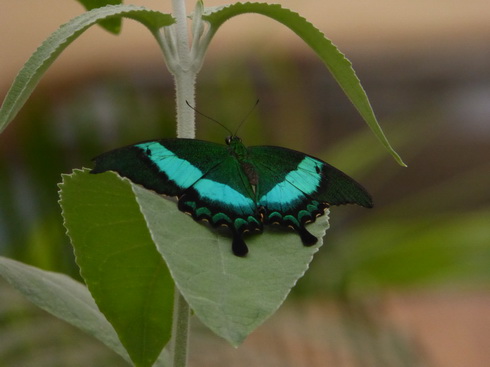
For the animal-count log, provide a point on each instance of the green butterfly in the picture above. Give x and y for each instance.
(235, 186)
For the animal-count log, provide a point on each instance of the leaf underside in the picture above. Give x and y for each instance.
(64, 298)
(229, 294)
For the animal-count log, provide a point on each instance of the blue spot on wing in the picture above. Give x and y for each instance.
(178, 170)
(317, 180)
(297, 184)
(307, 176)
(220, 194)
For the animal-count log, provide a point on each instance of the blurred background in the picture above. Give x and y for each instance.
(404, 284)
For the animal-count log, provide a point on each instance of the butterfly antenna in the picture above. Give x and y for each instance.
(246, 117)
(208, 117)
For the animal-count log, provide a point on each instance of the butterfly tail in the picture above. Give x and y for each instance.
(239, 246)
(306, 237)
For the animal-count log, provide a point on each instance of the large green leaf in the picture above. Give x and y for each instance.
(119, 262)
(335, 61)
(113, 25)
(231, 295)
(46, 54)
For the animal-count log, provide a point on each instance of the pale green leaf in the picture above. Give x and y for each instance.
(64, 298)
(229, 294)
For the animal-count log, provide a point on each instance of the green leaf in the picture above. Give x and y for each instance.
(119, 262)
(335, 61)
(64, 298)
(46, 54)
(112, 25)
(231, 295)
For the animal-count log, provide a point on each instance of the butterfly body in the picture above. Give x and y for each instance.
(242, 188)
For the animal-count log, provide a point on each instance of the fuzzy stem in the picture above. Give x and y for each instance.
(185, 91)
(180, 331)
(175, 46)
(185, 76)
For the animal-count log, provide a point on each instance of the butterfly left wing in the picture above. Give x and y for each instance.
(207, 179)
(294, 188)
(166, 166)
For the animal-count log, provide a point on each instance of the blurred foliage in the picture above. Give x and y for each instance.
(430, 221)
(29, 334)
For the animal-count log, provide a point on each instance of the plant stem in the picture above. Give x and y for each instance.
(175, 46)
(184, 74)
(184, 90)
(180, 330)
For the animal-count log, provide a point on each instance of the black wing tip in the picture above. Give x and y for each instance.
(98, 167)
(368, 203)
(341, 189)
(95, 170)
(359, 196)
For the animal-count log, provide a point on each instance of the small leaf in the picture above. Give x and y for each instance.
(112, 25)
(46, 54)
(229, 294)
(334, 60)
(118, 261)
(62, 297)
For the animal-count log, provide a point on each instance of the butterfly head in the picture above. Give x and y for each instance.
(232, 139)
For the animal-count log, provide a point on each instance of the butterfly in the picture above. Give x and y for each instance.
(238, 187)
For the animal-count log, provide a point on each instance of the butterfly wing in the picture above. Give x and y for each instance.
(209, 182)
(224, 197)
(167, 166)
(294, 188)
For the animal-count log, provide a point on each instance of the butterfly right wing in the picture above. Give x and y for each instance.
(294, 188)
